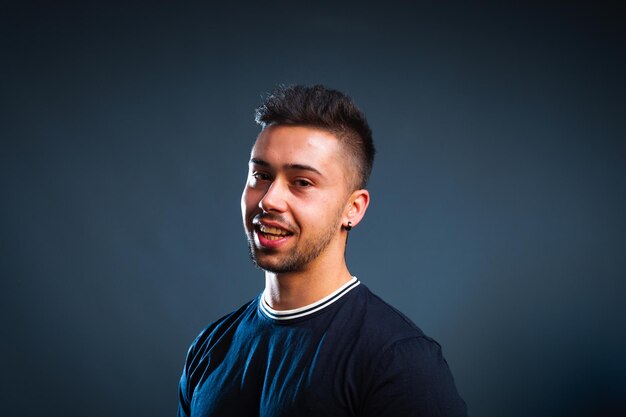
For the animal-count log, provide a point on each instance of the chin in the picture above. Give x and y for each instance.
(269, 266)
(273, 266)
(259, 260)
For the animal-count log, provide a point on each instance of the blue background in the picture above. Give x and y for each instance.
(498, 194)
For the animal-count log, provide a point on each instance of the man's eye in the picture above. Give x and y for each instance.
(302, 183)
(260, 176)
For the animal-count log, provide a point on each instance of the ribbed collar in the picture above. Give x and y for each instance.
(308, 309)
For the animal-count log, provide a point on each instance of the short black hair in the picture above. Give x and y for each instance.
(326, 109)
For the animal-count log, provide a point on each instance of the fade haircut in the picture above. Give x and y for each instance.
(331, 110)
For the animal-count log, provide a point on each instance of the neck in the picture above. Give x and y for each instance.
(286, 291)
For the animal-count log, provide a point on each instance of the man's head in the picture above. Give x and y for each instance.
(330, 110)
(306, 172)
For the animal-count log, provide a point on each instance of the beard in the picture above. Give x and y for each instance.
(297, 258)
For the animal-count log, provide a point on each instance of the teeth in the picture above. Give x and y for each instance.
(273, 231)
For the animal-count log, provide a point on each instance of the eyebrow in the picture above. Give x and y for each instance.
(294, 167)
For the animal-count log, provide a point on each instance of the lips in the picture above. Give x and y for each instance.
(270, 234)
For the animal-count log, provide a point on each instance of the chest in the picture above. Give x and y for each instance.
(274, 371)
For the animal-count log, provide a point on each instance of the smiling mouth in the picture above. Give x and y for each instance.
(272, 233)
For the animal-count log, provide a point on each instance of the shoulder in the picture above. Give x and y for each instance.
(221, 327)
(393, 336)
(400, 340)
(407, 373)
(212, 339)
(383, 322)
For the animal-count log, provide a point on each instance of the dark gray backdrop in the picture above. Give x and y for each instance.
(497, 209)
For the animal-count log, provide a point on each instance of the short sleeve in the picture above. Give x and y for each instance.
(413, 379)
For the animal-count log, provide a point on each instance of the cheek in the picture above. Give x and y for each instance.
(322, 212)
(334, 209)
(245, 201)
(249, 199)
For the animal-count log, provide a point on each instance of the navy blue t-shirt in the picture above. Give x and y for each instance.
(349, 354)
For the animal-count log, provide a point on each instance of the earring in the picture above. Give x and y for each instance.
(349, 226)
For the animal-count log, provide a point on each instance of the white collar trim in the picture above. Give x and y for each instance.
(308, 309)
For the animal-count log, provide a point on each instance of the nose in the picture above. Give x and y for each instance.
(275, 198)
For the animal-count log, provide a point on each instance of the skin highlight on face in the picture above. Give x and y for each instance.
(295, 198)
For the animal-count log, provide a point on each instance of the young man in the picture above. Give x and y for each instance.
(316, 342)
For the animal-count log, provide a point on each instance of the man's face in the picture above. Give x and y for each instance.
(294, 198)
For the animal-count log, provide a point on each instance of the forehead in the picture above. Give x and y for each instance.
(284, 145)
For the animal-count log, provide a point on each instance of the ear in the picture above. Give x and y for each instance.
(356, 207)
